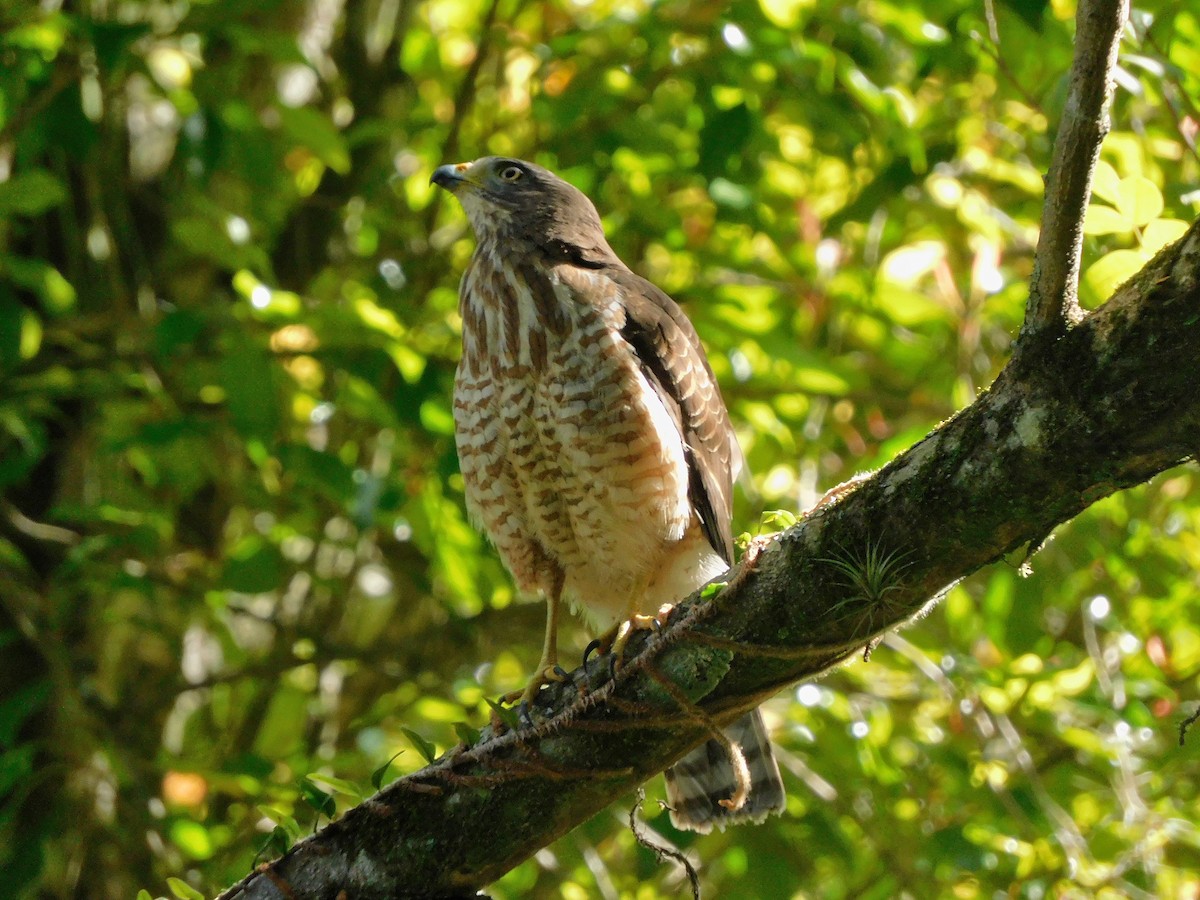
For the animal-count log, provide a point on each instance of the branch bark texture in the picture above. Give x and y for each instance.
(1109, 404)
(1053, 295)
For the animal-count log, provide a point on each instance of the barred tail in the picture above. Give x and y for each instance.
(698, 782)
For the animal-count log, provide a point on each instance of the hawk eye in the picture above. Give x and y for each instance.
(510, 173)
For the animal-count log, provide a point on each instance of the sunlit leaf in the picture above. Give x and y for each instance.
(340, 785)
(1139, 200)
(1105, 220)
(1161, 232)
(192, 838)
(1113, 269)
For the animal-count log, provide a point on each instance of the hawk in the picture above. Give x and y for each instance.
(596, 451)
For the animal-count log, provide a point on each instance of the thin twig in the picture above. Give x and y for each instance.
(659, 850)
(1053, 293)
(1186, 725)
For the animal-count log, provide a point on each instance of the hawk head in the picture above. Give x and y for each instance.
(518, 205)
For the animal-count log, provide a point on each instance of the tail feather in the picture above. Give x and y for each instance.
(698, 783)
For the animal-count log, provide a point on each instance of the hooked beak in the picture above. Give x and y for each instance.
(450, 176)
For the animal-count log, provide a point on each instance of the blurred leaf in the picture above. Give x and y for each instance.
(253, 566)
(313, 130)
(56, 293)
(340, 785)
(1112, 270)
(248, 379)
(1105, 220)
(1030, 11)
(30, 193)
(16, 765)
(722, 138)
(25, 701)
(1139, 200)
(1161, 232)
(283, 724)
(183, 890)
(192, 838)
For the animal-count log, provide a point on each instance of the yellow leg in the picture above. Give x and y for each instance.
(636, 621)
(615, 638)
(547, 670)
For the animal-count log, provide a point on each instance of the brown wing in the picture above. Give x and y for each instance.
(673, 361)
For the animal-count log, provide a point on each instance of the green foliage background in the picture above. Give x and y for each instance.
(233, 553)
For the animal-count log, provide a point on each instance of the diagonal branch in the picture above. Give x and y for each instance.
(1053, 294)
(1100, 409)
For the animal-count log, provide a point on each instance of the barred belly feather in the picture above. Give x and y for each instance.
(568, 454)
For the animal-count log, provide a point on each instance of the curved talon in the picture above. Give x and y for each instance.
(561, 673)
(523, 714)
(593, 646)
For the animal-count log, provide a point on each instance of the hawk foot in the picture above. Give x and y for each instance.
(546, 674)
(636, 622)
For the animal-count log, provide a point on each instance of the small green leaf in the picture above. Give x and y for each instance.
(424, 747)
(183, 890)
(379, 774)
(281, 820)
(712, 589)
(503, 713)
(778, 518)
(468, 735)
(144, 894)
(339, 785)
(316, 798)
(275, 843)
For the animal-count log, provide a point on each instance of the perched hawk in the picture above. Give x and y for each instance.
(596, 451)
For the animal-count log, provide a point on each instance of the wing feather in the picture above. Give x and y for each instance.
(673, 360)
